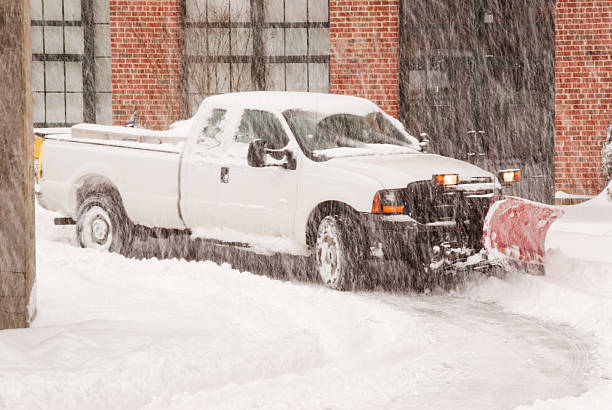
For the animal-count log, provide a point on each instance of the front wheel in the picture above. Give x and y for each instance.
(103, 225)
(338, 252)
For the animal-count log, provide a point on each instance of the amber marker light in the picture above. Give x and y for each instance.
(38, 147)
(509, 176)
(393, 209)
(446, 179)
(383, 197)
(376, 208)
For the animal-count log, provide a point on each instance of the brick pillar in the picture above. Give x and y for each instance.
(146, 47)
(583, 87)
(17, 256)
(364, 37)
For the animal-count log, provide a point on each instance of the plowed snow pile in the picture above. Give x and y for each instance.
(572, 292)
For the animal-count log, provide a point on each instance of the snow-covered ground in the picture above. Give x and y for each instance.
(113, 332)
(576, 293)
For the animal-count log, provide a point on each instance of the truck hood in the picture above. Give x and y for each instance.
(397, 171)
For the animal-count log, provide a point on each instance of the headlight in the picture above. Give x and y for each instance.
(446, 179)
(509, 176)
(386, 202)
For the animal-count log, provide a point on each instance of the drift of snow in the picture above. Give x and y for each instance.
(606, 155)
(565, 195)
(573, 292)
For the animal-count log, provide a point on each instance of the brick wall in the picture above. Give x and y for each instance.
(364, 37)
(583, 86)
(146, 43)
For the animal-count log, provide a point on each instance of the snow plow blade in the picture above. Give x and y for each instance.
(515, 231)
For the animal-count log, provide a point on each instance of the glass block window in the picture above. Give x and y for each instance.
(242, 45)
(296, 45)
(62, 61)
(218, 48)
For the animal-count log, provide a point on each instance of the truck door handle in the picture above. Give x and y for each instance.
(224, 175)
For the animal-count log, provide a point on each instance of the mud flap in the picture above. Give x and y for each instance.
(515, 231)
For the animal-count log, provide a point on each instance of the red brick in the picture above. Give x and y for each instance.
(146, 46)
(583, 56)
(364, 42)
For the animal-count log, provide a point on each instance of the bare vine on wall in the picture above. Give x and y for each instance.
(213, 55)
(215, 52)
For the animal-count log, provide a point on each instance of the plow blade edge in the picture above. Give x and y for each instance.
(515, 229)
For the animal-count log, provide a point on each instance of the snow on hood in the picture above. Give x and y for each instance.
(367, 149)
(397, 171)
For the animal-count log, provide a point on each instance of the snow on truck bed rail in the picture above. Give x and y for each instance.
(170, 141)
(162, 147)
(111, 132)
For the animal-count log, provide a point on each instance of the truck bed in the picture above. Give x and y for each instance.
(143, 165)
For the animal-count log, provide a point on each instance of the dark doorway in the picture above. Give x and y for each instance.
(478, 77)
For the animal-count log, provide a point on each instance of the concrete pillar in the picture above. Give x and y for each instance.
(17, 256)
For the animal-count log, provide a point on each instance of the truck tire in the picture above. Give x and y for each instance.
(338, 252)
(103, 225)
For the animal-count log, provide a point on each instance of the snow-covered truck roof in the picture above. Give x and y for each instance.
(287, 100)
(329, 104)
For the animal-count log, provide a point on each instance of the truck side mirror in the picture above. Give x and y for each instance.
(256, 155)
(291, 162)
(424, 142)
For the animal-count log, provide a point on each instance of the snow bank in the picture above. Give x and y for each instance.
(572, 292)
(606, 155)
(565, 195)
(118, 333)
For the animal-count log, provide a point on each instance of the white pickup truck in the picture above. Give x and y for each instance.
(332, 173)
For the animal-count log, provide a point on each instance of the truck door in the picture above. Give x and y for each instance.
(257, 200)
(199, 176)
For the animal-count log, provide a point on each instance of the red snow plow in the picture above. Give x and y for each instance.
(514, 231)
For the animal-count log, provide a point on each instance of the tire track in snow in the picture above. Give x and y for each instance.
(560, 354)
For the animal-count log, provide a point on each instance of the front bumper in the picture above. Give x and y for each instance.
(400, 237)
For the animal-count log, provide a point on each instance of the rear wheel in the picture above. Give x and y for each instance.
(103, 225)
(338, 252)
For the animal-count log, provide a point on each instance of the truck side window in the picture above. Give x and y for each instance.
(261, 125)
(210, 135)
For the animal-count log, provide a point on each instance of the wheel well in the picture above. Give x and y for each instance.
(321, 211)
(96, 185)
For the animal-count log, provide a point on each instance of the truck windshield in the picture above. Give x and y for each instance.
(324, 136)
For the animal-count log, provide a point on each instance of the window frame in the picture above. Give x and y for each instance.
(86, 59)
(274, 115)
(257, 58)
